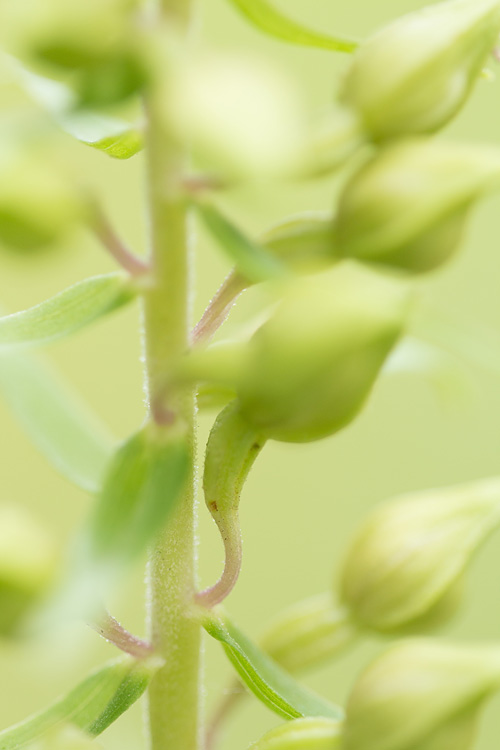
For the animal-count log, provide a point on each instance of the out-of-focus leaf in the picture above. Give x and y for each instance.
(65, 737)
(265, 17)
(264, 677)
(57, 422)
(68, 311)
(252, 260)
(142, 487)
(114, 136)
(92, 706)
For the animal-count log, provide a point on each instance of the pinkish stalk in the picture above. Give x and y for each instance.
(113, 632)
(219, 308)
(116, 248)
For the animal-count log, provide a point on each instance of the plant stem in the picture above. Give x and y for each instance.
(174, 694)
(219, 308)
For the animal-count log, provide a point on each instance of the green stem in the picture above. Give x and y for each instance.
(174, 693)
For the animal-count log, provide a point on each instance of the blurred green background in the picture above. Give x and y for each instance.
(301, 503)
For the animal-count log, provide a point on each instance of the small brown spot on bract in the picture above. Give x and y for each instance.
(213, 505)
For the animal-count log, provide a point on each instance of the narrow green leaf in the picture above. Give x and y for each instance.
(65, 737)
(264, 677)
(68, 311)
(120, 145)
(271, 21)
(114, 136)
(252, 260)
(92, 706)
(143, 485)
(56, 421)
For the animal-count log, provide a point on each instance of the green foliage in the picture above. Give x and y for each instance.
(55, 419)
(266, 679)
(92, 706)
(142, 487)
(251, 259)
(265, 17)
(340, 290)
(115, 137)
(67, 312)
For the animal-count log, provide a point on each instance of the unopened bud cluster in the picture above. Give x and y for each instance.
(306, 372)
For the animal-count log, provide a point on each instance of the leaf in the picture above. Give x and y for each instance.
(271, 21)
(121, 145)
(55, 420)
(92, 706)
(278, 690)
(68, 311)
(112, 135)
(65, 737)
(252, 260)
(143, 485)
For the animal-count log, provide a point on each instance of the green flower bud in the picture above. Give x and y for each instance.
(242, 118)
(303, 734)
(310, 367)
(37, 202)
(309, 633)
(407, 207)
(421, 695)
(304, 241)
(26, 566)
(407, 560)
(94, 41)
(414, 75)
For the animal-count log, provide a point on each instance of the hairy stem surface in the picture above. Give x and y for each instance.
(174, 694)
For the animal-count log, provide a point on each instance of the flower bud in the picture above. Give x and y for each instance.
(309, 633)
(414, 75)
(408, 206)
(304, 241)
(37, 202)
(407, 560)
(312, 733)
(241, 117)
(26, 566)
(421, 695)
(311, 365)
(94, 41)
